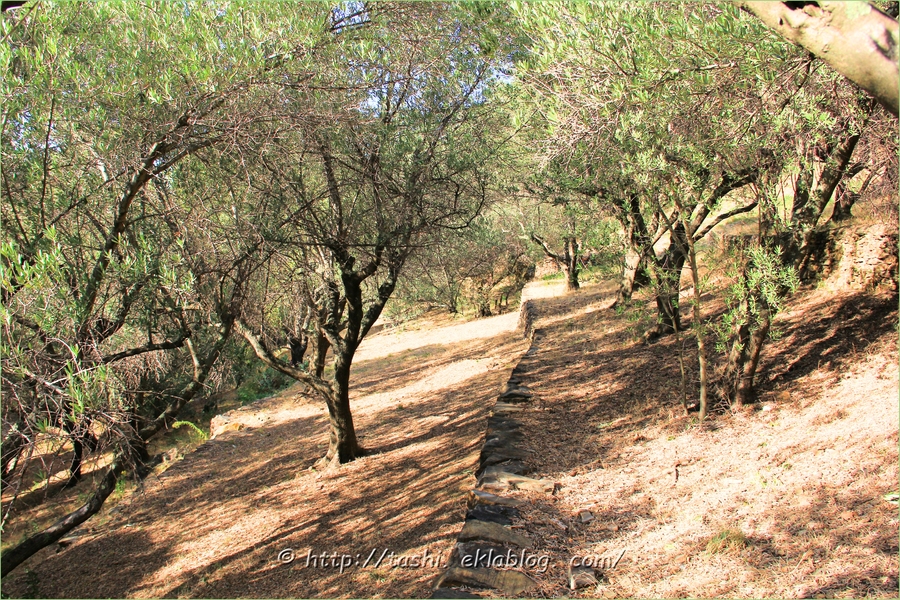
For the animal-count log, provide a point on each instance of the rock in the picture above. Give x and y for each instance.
(514, 399)
(452, 593)
(580, 577)
(507, 453)
(504, 408)
(517, 392)
(494, 478)
(222, 423)
(492, 532)
(511, 583)
(502, 424)
(480, 555)
(493, 513)
(509, 465)
(503, 438)
(477, 497)
(585, 516)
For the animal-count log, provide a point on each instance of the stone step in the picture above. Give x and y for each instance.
(510, 466)
(494, 478)
(501, 442)
(452, 593)
(484, 531)
(477, 497)
(498, 423)
(511, 583)
(517, 392)
(494, 513)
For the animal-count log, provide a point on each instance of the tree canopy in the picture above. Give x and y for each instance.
(181, 182)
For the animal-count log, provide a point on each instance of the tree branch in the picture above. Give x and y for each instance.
(856, 39)
(266, 355)
(737, 211)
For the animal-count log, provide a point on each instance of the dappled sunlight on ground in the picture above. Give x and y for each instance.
(800, 477)
(213, 524)
(386, 342)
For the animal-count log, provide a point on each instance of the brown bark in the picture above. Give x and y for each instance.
(343, 445)
(568, 259)
(15, 556)
(747, 372)
(809, 204)
(855, 38)
(322, 346)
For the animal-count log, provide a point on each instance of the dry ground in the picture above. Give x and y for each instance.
(214, 523)
(797, 483)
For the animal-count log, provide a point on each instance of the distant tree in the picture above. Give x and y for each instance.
(479, 267)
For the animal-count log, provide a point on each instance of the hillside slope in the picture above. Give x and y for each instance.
(793, 488)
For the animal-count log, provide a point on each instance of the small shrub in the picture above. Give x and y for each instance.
(194, 429)
(262, 383)
(727, 541)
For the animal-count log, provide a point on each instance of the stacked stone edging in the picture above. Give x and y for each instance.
(503, 465)
(527, 316)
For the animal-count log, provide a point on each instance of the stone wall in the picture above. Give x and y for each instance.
(855, 258)
(502, 466)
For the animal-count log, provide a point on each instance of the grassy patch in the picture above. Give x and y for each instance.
(727, 541)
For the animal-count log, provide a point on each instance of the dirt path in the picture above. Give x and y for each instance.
(213, 524)
(794, 487)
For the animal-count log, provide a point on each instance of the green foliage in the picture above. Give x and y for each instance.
(263, 382)
(196, 430)
(119, 491)
(763, 281)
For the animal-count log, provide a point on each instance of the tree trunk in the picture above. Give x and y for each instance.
(298, 347)
(77, 451)
(568, 259)
(343, 446)
(844, 198)
(570, 263)
(322, 346)
(698, 326)
(743, 359)
(807, 214)
(633, 276)
(744, 392)
(668, 282)
(842, 205)
(18, 554)
(856, 39)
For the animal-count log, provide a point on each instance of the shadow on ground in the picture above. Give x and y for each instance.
(213, 524)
